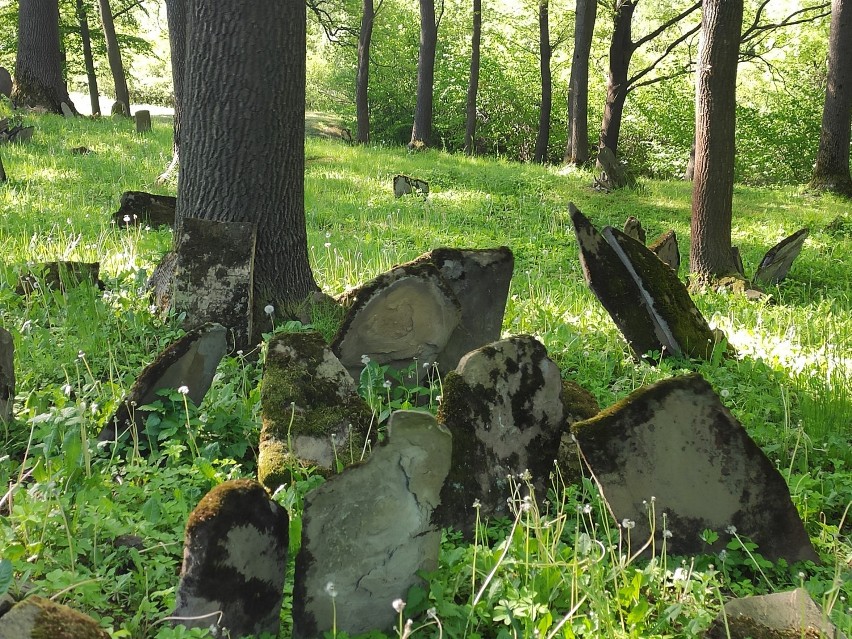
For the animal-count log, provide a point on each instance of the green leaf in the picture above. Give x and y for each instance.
(5, 576)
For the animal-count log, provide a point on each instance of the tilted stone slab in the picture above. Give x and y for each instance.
(665, 247)
(405, 184)
(675, 442)
(138, 207)
(36, 617)
(234, 562)
(312, 413)
(367, 532)
(777, 262)
(7, 376)
(190, 361)
(633, 228)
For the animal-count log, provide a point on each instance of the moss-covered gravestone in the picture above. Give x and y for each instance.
(234, 562)
(138, 207)
(665, 247)
(777, 262)
(368, 532)
(39, 618)
(673, 451)
(7, 375)
(312, 413)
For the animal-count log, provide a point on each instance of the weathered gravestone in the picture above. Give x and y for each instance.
(138, 207)
(665, 247)
(234, 562)
(613, 174)
(59, 275)
(214, 275)
(404, 184)
(7, 376)
(506, 407)
(777, 262)
(674, 445)
(648, 303)
(143, 121)
(312, 413)
(67, 112)
(36, 618)
(190, 361)
(368, 532)
(5, 82)
(633, 228)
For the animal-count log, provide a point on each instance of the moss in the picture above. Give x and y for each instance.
(579, 403)
(54, 621)
(274, 464)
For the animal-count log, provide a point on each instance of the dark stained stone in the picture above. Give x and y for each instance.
(7, 376)
(665, 247)
(777, 262)
(674, 445)
(404, 184)
(59, 275)
(633, 228)
(143, 121)
(234, 562)
(5, 82)
(37, 618)
(368, 532)
(138, 207)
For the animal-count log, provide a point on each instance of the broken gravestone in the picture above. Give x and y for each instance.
(368, 533)
(665, 247)
(777, 262)
(7, 376)
(234, 562)
(143, 121)
(189, 362)
(5, 82)
(59, 275)
(214, 275)
(404, 184)
(406, 314)
(312, 413)
(648, 303)
(36, 617)
(505, 406)
(633, 228)
(675, 449)
(138, 207)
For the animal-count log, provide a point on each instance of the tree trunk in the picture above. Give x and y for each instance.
(122, 95)
(577, 147)
(38, 69)
(621, 50)
(176, 14)
(831, 171)
(545, 53)
(88, 59)
(242, 161)
(711, 256)
(362, 75)
(421, 132)
(473, 82)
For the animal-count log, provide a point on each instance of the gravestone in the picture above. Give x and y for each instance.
(138, 207)
(143, 121)
(190, 361)
(404, 184)
(368, 532)
(675, 446)
(59, 275)
(214, 275)
(7, 376)
(36, 617)
(633, 228)
(777, 262)
(5, 82)
(312, 413)
(66, 111)
(665, 247)
(234, 562)
(613, 174)
(406, 314)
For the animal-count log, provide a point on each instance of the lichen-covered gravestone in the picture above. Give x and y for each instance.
(368, 532)
(38, 618)
(7, 375)
(777, 262)
(312, 413)
(674, 447)
(234, 562)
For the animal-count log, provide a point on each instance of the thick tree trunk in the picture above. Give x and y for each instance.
(577, 146)
(38, 69)
(621, 50)
(421, 132)
(85, 36)
(831, 171)
(240, 159)
(176, 14)
(362, 75)
(715, 124)
(545, 53)
(116, 66)
(473, 82)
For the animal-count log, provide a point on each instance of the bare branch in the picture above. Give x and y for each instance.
(126, 9)
(756, 20)
(668, 23)
(672, 46)
(823, 10)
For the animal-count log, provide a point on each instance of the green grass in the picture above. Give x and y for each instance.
(560, 560)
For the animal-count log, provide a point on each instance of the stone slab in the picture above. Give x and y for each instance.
(665, 247)
(7, 376)
(777, 262)
(137, 208)
(405, 184)
(5, 82)
(36, 617)
(143, 121)
(67, 112)
(633, 228)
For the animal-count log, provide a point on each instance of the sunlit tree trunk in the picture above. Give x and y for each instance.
(421, 132)
(176, 14)
(473, 82)
(89, 61)
(545, 53)
(362, 75)
(621, 50)
(577, 146)
(116, 66)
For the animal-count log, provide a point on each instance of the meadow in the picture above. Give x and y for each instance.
(101, 528)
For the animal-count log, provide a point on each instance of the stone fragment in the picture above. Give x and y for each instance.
(673, 447)
(368, 532)
(143, 121)
(777, 262)
(37, 618)
(783, 615)
(633, 228)
(312, 413)
(5, 82)
(665, 247)
(59, 275)
(190, 361)
(404, 184)
(406, 314)
(81, 150)
(7, 376)
(67, 112)
(138, 207)
(214, 276)
(234, 562)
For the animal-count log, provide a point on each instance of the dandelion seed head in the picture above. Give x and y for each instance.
(628, 524)
(398, 605)
(269, 309)
(331, 589)
(183, 390)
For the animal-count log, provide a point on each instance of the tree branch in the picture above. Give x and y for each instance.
(823, 9)
(126, 9)
(672, 46)
(668, 23)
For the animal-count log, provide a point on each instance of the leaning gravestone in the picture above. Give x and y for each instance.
(138, 207)
(214, 275)
(66, 111)
(404, 184)
(59, 275)
(368, 532)
(7, 376)
(36, 617)
(312, 413)
(190, 361)
(143, 121)
(234, 562)
(675, 446)
(633, 228)
(777, 262)
(5, 82)
(665, 247)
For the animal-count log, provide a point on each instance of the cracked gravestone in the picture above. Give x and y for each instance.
(138, 207)
(665, 247)
(59, 275)
(777, 262)
(143, 121)
(367, 533)
(7, 376)
(214, 275)
(234, 562)
(675, 446)
(36, 617)
(312, 413)
(648, 303)
(190, 361)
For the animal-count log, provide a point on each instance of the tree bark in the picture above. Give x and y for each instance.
(89, 60)
(621, 50)
(242, 161)
(577, 147)
(711, 256)
(831, 171)
(116, 66)
(545, 53)
(473, 82)
(176, 14)
(362, 75)
(421, 132)
(38, 69)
